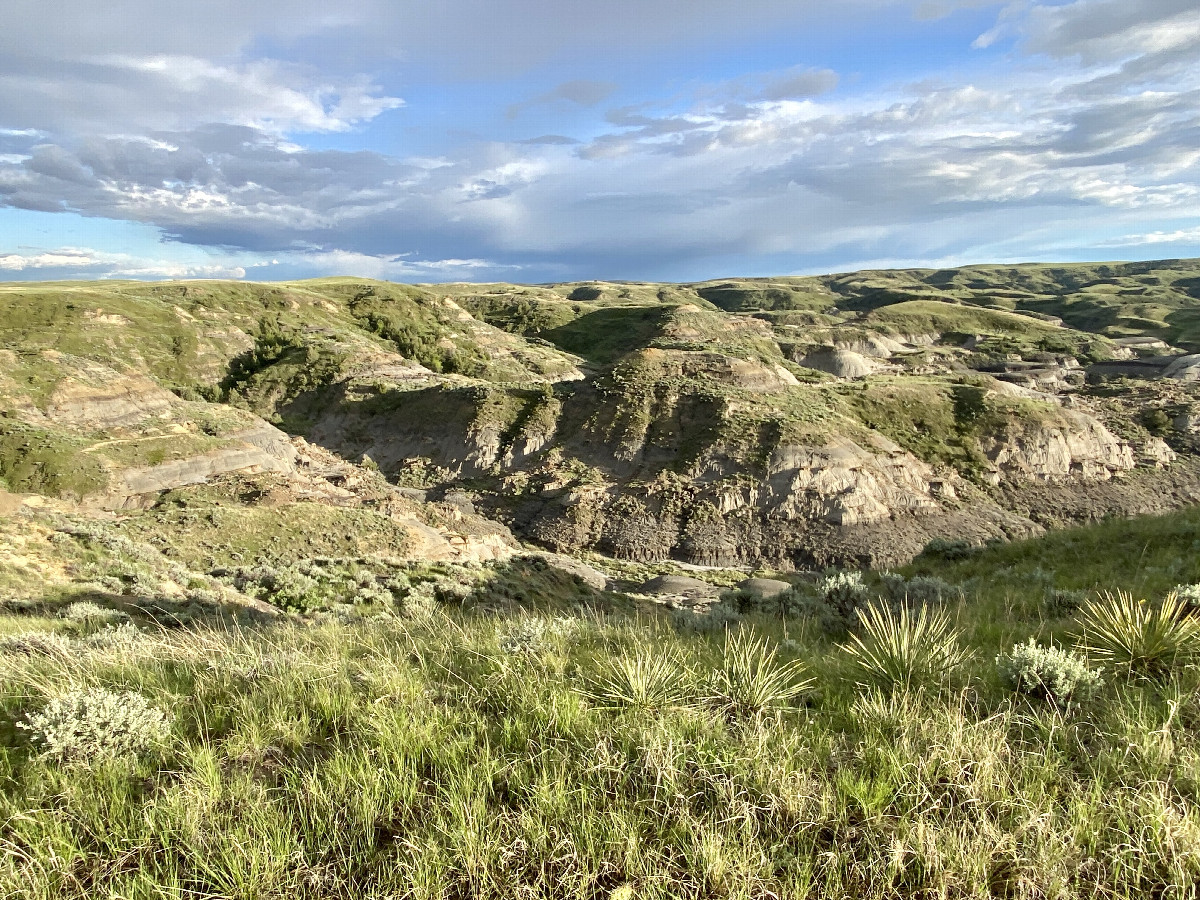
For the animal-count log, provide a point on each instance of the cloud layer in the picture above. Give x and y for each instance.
(1082, 134)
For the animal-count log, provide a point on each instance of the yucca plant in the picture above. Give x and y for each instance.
(902, 648)
(752, 678)
(1137, 638)
(639, 682)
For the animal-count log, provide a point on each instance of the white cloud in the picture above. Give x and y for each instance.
(1107, 30)
(76, 261)
(207, 140)
(1179, 236)
(175, 92)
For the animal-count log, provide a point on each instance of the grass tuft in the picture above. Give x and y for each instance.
(752, 678)
(1139, 638)
(903, 649)
(640, 682)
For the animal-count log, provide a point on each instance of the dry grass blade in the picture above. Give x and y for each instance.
(1138, 638)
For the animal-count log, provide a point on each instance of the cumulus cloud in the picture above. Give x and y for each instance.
(164, 92)
(211, 144)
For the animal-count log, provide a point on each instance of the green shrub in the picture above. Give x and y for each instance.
(831, 603)
(1052, 673)
(902, 648)
(83, 725)
(1139, 638)
(123, 637)
(84, 611)
(752, 679)
(1189, 596)
(533, 635)
(717, 617)
(919, 590)
(947, 549)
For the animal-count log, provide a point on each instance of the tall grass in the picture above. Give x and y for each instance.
(902, 649)
(384, 758)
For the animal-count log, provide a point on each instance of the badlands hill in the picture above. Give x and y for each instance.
(781, 423)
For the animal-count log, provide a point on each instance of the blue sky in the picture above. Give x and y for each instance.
(529, 140)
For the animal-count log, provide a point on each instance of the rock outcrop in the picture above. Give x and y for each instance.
(840, 363)
(1075, 445)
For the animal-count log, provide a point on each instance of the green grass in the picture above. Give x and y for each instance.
(424, 760)
(604, 336)
(47, 461)
(525, 739)
(1146, 556)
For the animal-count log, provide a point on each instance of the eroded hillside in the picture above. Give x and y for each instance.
(787, 422)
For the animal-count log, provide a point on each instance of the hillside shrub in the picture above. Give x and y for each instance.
(920, 590)
(948, 549)
(533, 635)
(716, 618)
(36, 643)
(1189, 596)
(121, 638)
(85, 611)
(831, 604)
(1052, 673)
(83, 725)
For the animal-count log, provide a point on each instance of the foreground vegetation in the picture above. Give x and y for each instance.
(877, 736)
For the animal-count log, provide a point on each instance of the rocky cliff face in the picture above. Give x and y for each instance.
(1076, 446)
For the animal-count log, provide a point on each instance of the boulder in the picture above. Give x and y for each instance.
(593, 578)
(1184, 368)
(764, 588)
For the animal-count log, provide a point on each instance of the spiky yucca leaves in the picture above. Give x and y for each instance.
(752, 678)
(1137, 638)
(639, 682)
(902, 648)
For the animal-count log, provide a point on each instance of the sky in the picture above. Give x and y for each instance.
(559, 140)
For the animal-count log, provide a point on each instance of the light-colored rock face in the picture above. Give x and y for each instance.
(1184, 368)
(841, 363)
(117, 401)
(262, 448)
(1155, 452)
(1078, 446)
(844, 484)
(876, 346)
